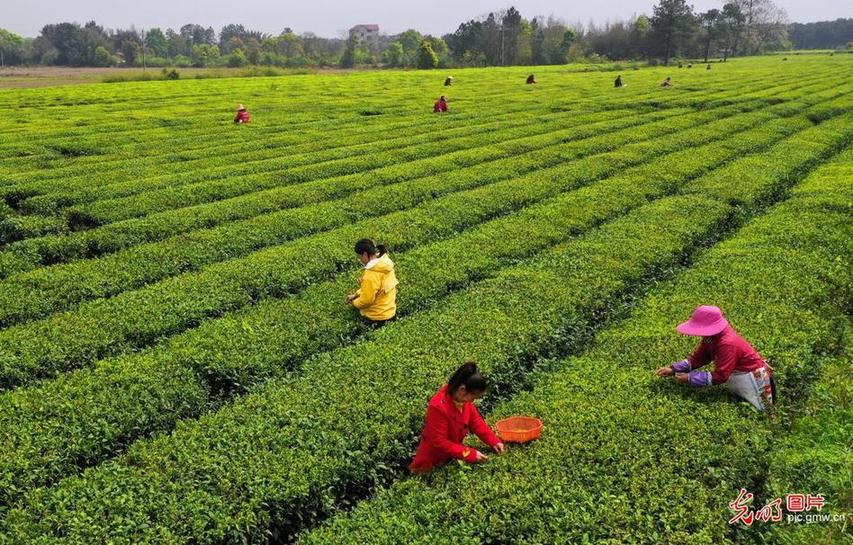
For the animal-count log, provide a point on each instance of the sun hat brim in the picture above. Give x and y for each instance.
(690, 327)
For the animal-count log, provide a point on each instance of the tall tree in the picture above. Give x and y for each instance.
(68, 41)
(639, 36)
(710, 22)
(524, 51)
(410, 40)
(348, 58)
(492, 40)
(394, 56)
(427, 58)
(8, 41)
(672, 22)
(229, 32)
(156, 42)
(614, 40)
(198, 35)
(468, 40)
(439, 47)
(129, 44)
(511, 23)
(549, 41)
(569, 38)
(178, 44)
(765, 25)
(732, 21)
(537, 42)
(94, 36)
(290, 45)
(253, 50)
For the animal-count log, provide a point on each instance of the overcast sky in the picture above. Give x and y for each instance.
(329, 17)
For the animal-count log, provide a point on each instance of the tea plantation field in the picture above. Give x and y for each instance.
(177, 364)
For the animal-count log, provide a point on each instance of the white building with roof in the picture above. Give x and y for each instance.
(365, 33)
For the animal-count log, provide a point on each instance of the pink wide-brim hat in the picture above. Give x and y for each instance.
(705, 321)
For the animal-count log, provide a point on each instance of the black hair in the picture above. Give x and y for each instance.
(367, 246)
(468, 376)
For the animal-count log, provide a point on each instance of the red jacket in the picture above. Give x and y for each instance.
(729, 352)
(241, 117)
(439, 107)
(445, 428)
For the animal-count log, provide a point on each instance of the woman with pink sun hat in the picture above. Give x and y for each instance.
(736, 363)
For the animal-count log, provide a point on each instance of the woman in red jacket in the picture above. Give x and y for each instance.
(450, 417)
(737, 364)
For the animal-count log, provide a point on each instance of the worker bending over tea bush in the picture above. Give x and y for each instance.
(736, 363)
(440, 105)
(376, 299)
(242, 116)
(451, 416)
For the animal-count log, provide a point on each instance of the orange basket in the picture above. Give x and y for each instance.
(519, 429)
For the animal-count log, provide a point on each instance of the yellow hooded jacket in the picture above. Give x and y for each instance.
(377, 298)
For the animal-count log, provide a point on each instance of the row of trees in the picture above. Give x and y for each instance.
(410, 49)
(739, 27)
(822, 35)
(506, 38)
(70, 44)
(501, 38)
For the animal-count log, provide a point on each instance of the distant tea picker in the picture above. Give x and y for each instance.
(736, 363)
(242, 116)
(440, 105)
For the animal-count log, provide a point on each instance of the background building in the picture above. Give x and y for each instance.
(368, 34)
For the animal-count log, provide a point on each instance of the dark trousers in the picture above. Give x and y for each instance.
(377, 324)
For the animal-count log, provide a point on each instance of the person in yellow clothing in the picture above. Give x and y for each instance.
(376, 300)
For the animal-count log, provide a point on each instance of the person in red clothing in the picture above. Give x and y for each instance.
(450, 417)
(242, 116)
(736, 363)
(440, 105)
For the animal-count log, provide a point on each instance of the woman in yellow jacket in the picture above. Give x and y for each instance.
(377, 297)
